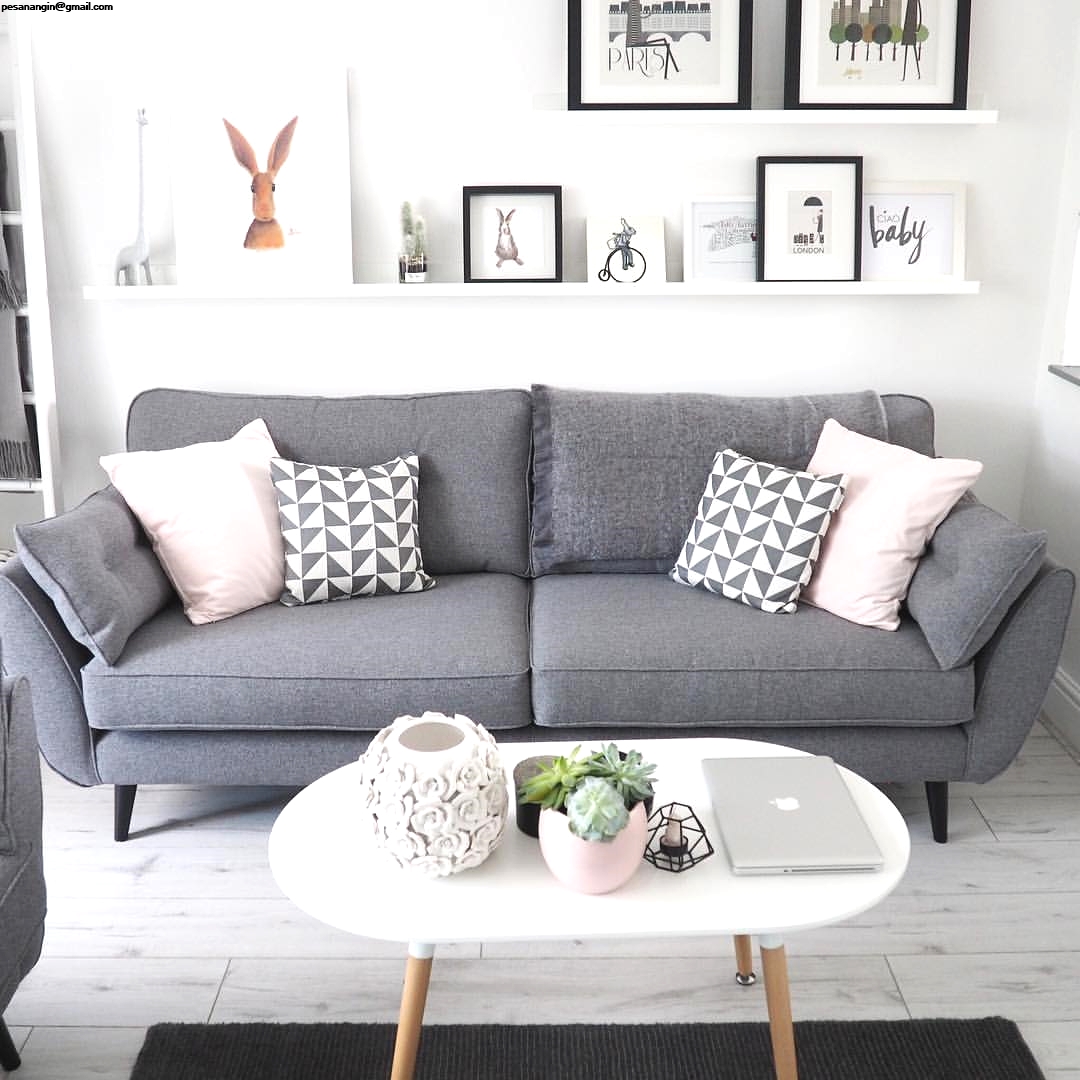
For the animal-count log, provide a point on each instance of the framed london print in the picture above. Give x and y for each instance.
(720, 238)
(512, 233)
(891, 54)
(913, 231)
(625, 54)
(809, 212)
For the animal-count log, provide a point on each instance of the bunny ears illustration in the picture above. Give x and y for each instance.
(264, 232)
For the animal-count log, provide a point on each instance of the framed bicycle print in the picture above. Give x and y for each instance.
(809, 212)
(625, 54)
(624, 249)
(720, 234)
(512, 233)
(882, 54)
(913, 231)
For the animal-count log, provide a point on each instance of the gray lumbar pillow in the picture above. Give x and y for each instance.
(976, 566)
(97, 567)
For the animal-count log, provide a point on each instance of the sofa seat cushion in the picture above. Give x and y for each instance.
(353, 665)
(635, 649)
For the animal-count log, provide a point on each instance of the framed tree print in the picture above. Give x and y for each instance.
(913, 231)
(809, 212)
(881, 54)
(626, 54)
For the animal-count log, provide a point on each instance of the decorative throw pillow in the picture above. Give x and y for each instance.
(210, 512)
(349, 532)
(758, 531)
(895, 500)
(97, 567)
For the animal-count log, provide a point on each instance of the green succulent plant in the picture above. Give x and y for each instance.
(630, 774)
(550, 786)
(596, 810)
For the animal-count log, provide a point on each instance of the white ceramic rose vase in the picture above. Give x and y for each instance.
(435, 790)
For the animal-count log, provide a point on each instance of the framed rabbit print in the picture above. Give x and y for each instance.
(261, 191)
(629, 54)
(512, 233)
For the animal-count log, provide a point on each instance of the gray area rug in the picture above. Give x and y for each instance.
(987, 1049)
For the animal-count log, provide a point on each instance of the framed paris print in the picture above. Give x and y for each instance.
(629, 54)
(913, 231)
(809, 212)
(880, 54)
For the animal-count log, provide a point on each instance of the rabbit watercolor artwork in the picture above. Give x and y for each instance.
(264, 232)
(506, 250)
(261, 176)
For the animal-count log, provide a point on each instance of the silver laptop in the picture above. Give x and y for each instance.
(788, 815)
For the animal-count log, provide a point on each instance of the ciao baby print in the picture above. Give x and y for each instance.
(913, 231)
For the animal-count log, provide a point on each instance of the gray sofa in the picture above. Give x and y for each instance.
(22, 878)
(549, 519)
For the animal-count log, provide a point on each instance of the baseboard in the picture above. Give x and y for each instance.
(1062, 708)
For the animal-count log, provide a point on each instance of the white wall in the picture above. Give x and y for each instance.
(448, 95)
(1052, 492)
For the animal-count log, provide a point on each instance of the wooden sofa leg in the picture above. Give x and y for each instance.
(123, 803)
(9, 1056)
(937, 798)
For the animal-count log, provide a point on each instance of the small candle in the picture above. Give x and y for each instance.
(672, 842)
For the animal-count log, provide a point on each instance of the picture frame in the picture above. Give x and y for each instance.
(809, 218)
(914, 231)
(720, 238)
(304, 119)
(684, 59)
(512, 233)
(895, 54)
(625, 249)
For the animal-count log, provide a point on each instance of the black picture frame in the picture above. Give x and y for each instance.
(540, 229)
(585, 90)
(817, 197)
(803, 86)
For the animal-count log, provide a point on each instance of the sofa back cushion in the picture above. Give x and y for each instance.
(617, 476)
(473, 448)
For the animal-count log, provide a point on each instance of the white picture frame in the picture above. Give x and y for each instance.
(914, 231)
(609, 266)
(213, 201)
(720, 236)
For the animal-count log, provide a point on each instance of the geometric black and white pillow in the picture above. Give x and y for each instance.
(758, 530)
(349, 532)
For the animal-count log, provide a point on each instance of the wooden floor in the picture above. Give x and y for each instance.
(184, 923)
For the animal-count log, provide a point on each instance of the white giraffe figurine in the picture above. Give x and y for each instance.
(130, 258)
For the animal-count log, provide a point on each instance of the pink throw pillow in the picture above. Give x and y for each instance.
(895, 500)
(211, 513)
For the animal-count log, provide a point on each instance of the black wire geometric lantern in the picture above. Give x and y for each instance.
(677, 840)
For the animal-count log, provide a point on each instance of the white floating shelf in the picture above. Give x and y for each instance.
(20, 485)
(409, 293)
(719, 117)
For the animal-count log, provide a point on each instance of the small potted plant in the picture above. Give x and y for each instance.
(412, 262)
(592, 815)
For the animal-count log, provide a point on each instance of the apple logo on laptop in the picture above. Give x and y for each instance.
(785, 802)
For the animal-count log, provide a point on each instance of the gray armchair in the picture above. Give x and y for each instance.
(22, 877)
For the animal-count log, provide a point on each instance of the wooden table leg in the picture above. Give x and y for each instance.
(411, 1017)
(744, 960)
(778, 1000)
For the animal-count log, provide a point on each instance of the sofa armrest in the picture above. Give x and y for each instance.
(975, 567)
(1014, 669)
(37, 644)
(20, 771)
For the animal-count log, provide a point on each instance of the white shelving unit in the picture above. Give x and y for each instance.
(459, 290)
(42, 399)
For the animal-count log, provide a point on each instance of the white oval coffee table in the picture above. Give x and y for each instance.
(321, 858)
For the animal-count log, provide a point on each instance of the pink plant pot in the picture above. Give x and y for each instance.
(592, 866)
